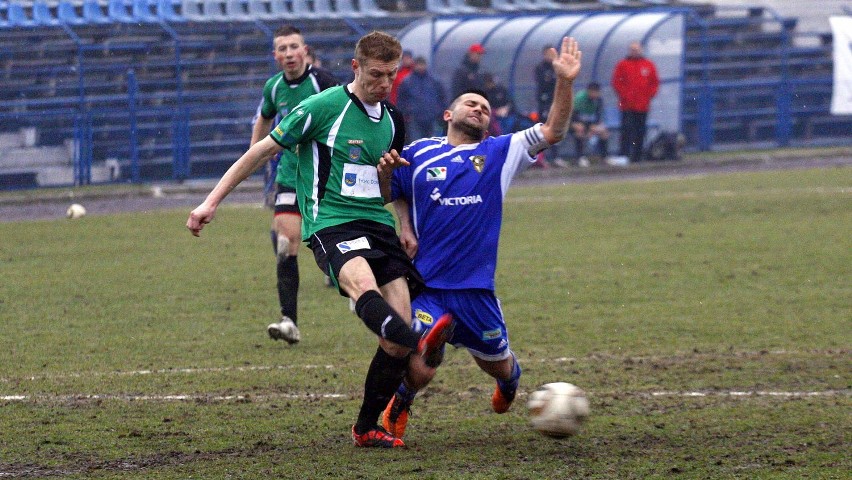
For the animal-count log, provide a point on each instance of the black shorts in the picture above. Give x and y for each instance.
(375, 242)
(286, 200)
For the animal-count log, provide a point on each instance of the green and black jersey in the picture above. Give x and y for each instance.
(338, 146)
(280, 95)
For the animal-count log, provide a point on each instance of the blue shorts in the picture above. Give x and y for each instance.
(478, 317)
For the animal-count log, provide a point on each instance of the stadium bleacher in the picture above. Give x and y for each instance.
(168, 88)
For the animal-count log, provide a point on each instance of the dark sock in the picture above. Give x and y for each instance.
(274, 237)
(383, 378)
(288, 285)
(579, 146)
(379, 317)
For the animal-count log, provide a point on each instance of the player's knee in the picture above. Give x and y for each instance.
(282, 246)
(393, 349)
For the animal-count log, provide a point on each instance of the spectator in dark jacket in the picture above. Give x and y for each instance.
(421, 99)
(635, 82)
(545, 80)
(467, 76)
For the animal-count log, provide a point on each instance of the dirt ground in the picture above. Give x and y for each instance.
(48, 204)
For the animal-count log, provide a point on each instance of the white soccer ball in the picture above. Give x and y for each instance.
(558, 409)
(75, 211)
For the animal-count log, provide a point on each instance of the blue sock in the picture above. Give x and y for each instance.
(406, 394)
(511, 384)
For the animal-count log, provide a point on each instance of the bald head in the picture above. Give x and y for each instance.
(635, 50)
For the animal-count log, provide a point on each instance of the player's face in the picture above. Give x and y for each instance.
(471, 115)
(290, 53)
(373, 79)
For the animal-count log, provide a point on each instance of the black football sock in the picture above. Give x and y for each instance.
(288, 285)
(379, 317)
(383, 378)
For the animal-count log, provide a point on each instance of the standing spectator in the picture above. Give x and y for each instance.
(498, 96)
(406, 66)
(296, 81)
(467, 76)
(421, 99)
(587, 123)
(635, 82)
(545, 80)
(343, 183)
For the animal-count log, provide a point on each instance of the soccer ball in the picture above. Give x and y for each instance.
(558, 409)
(75, 211)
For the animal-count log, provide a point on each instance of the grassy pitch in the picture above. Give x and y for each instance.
(708, 318)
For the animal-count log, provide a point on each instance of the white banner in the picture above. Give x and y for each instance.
(841, 98)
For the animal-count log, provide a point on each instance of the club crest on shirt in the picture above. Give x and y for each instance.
(478, 162)
(350, 179)
(436, 173)
(354, 153)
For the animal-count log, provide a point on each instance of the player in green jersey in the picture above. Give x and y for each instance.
(339, 136)
(296, 81)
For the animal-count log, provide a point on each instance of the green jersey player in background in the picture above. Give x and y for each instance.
(296, 81)
(339, 137)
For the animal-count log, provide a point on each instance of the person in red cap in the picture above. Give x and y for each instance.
(467, 76)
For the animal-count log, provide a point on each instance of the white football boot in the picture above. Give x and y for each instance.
(284, 330)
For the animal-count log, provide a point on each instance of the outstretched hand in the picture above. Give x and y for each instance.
(389, 162)
(568, 60)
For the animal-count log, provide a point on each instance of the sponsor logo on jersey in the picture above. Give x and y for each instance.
(350, 179)
(360, 243)
(457, 159)
(492, 334)
(455, 201)
(354, 142)
(478, 162)
(354, 153)
(436, 173)
(300, 112)
(503, 344)
(424, 317)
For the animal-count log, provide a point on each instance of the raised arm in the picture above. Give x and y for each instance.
(247, 164)
(567, 67)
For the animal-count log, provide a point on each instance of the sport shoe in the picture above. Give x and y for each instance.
(395, 417)
(501, 401)
(431, 346)
(284, 330)
(561, 163)
(376, 437)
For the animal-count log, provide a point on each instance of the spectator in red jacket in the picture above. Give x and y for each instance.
(635, 82)
(406, 66)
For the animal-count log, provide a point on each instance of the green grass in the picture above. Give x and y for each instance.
(639, 292)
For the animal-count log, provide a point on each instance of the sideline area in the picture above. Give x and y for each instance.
(50, 203)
